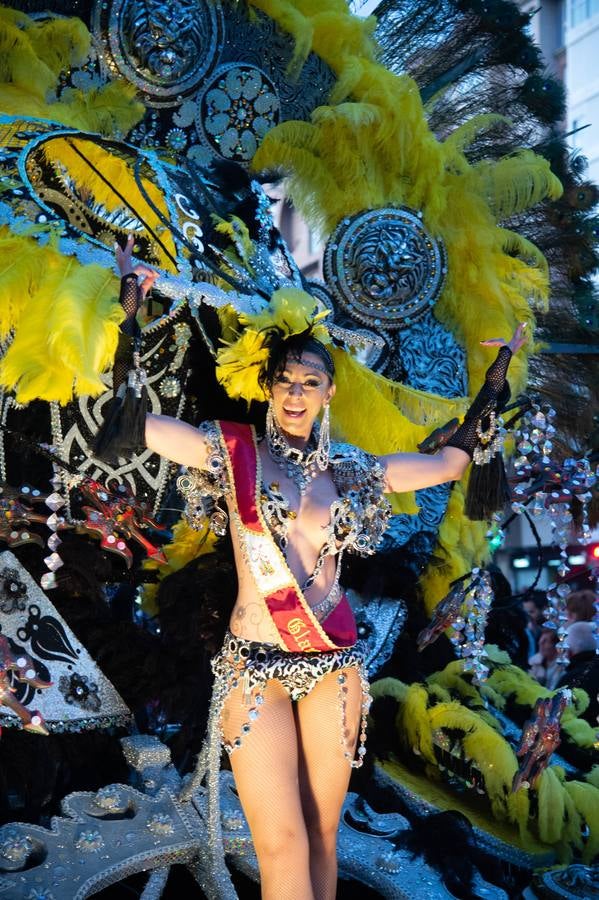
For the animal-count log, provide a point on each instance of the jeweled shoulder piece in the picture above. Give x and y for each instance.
(205, 489)
(364, 511)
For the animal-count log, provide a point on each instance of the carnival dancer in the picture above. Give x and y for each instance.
(290, 697)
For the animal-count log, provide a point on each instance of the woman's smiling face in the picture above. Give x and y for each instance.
(299, 392)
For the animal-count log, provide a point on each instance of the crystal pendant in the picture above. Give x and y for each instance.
(54, 542)
(48, 581)
(53, 562)
(54, 522)
(55, 501)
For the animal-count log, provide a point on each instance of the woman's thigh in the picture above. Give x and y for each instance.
(265, 768)
(323, 768)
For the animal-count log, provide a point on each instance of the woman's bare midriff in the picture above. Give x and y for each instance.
(250, 618)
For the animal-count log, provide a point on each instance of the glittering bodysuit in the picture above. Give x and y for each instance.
(358, 517)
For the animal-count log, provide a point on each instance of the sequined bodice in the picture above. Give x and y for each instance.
(358, 518)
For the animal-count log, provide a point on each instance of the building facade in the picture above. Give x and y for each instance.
(567, 31)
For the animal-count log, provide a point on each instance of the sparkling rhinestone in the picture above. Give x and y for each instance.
(55, 501)
(53, 562)
(54, 542)
(48, 581)
(54, 522)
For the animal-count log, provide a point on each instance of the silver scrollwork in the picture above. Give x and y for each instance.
(236, 109)
(384, 268)
(164, 47)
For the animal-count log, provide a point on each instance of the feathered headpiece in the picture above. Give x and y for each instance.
(241, 363)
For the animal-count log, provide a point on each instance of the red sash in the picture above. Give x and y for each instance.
(298, 627)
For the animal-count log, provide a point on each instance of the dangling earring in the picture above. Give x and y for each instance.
(323, 448)
(271, 428)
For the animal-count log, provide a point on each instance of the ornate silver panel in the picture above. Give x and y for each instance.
(80, 697)
(427, 357)
(379, 621)
(164, 345)
(235, 110)
(576, 882)
(103, 837)
(177, 52)
(164, 47)
(431, 358)
(384, 268)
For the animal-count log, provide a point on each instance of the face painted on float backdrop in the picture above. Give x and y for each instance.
(299, 392)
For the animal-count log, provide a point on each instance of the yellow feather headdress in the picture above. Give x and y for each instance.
(240, 363)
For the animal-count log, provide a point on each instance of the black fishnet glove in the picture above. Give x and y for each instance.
(129, 299)
(495, 393)
(122, 432)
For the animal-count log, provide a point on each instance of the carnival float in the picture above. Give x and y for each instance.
(423, 149)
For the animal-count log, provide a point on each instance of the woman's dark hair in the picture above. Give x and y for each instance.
(281, 349)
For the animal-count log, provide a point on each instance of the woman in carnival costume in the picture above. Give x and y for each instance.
(291, 696)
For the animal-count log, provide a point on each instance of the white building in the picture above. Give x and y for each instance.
(582, 77)
(567, 31)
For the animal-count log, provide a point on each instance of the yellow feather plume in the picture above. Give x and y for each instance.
(240, 362)
(585, 798)
(517, 182)
(64, 319)
(32, 56)
(551, 799)
(561, 808)
(187, 543)
(239, 365)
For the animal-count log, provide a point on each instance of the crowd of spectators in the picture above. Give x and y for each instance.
(519, 629)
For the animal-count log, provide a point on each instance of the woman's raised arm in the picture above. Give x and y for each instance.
(411, 471)
(178, 441)
(127, 426)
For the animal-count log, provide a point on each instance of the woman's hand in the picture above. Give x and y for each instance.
(518, 340)
(124, 260)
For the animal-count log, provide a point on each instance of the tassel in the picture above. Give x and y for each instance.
(488, 489)
(123, 431)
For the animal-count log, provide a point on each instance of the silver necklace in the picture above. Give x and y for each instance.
(301, 466)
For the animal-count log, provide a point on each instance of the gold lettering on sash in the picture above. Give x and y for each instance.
(302, 637)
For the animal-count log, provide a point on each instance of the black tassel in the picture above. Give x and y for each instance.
(488, 489)
(122, 432)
